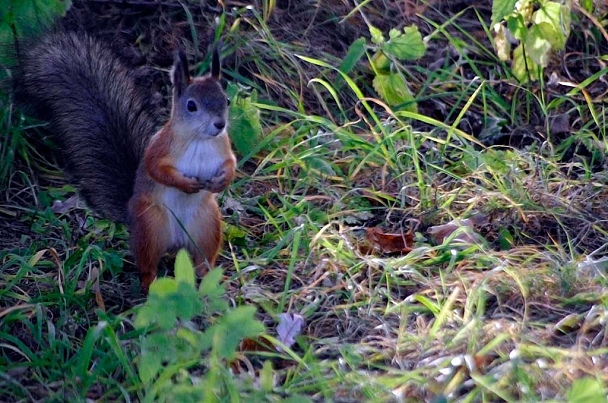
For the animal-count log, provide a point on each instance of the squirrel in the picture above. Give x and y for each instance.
(158, 181)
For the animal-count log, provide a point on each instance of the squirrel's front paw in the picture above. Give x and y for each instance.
(193, 186)
(218, 182)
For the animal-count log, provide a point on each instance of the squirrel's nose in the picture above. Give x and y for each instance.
(220, 124)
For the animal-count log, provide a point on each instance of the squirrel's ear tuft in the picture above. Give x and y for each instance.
(216, 63)
(179, 73)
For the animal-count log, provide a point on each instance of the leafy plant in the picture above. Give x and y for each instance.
(19, 19)
(541, 27)
(173, 344)
(389, 81)
(245, 124)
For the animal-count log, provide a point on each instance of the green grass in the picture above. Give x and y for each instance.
(518, 316)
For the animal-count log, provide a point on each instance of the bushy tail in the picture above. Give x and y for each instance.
(98, 116)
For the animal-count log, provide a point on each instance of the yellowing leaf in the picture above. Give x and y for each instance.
(523, 67)
(376, 35)
(525, 8)
(392, 88)
(558, 17)
(381, 63)
(184, 271)
(501, 42)
(537, 46)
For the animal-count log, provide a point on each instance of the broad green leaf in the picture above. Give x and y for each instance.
(523, 68)
(245, 124)
(163, 287)
(558, 16)
(376, 35)
(149, 365)
(186, 301)
(235, 235)
(167, 301)
(502, 8)
(537, 46)
(405, 46)
(586, 390)
(355, 51)
(236, 325)
(393, 89)
(505, 239)
(212, 292)
(184, 271)
(517, 27)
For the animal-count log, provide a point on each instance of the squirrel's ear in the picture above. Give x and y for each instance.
(216, 63)
(179, 73)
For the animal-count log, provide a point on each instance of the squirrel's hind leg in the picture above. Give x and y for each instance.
(149, 239)
(208, 241)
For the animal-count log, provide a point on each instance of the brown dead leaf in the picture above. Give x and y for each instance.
(390, 243)
(255, 344)
(96, 288)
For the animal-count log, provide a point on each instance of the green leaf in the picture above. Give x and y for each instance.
(586, 390)
(558, 17)
(150, 359)
(167, 301)
(266, 376)
(184, 271)
(392, 88)
(537, 46)
(405, 46)
(505, 239)
(355, 51)
(517, 26)
(587, 5)
(523, 67)
(237, 324)
(245, 124)
(376, 35)
(381, 63)
(212, 292)
(502, 8)
(186, 302)
(235, 235)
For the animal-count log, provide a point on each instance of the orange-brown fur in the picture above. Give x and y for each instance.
(171, 208)
(105, 124)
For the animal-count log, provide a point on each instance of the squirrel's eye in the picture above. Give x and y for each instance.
(191, 105)
(227, 100)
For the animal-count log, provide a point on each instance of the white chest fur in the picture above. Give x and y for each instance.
(199, 160)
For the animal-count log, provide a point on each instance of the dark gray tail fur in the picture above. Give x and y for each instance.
(98, 116)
